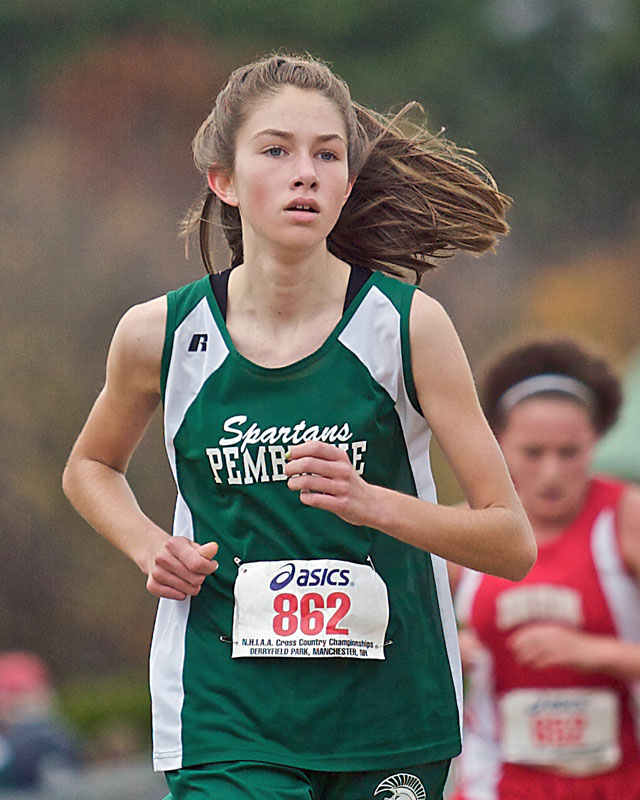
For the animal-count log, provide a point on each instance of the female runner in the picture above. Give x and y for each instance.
(317, 656)
(550, 708)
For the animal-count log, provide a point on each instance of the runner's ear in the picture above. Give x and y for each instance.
(222, 185)
(349, 188)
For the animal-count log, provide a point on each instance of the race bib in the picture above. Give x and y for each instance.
(322, 608)
(575, 731)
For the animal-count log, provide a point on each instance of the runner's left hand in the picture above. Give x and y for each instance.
(325, 478)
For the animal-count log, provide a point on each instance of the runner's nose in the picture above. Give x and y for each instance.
(551, 467)
(305, 172)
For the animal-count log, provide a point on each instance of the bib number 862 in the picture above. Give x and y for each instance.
(308, 614)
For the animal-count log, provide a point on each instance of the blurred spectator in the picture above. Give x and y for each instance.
(34, 742)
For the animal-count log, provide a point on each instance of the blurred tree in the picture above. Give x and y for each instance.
(596, 295)
(90, 203)
(542, 90)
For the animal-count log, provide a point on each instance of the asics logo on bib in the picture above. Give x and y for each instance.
(309, 577)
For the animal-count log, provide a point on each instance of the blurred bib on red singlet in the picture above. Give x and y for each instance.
(575, 731)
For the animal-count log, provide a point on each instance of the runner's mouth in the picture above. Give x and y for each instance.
(551, 494)
(308, 209)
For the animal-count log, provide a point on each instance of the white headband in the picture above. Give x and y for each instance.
(537, 384)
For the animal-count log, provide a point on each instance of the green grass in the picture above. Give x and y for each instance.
(95, 706)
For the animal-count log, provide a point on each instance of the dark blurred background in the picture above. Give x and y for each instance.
(99, 102)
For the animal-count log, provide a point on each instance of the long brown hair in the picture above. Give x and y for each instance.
(417, 196)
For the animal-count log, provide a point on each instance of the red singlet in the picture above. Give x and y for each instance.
(554, 733)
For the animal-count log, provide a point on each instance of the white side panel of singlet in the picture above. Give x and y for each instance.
(188, 371)
(620, 589)
(373, 335)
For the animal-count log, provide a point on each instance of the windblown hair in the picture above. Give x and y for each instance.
(559, 356)
(417, 196)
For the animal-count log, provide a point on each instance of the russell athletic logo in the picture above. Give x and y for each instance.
(309, 577)
(402, 787)
(198, 342)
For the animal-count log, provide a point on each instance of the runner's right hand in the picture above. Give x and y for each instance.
(180, 567)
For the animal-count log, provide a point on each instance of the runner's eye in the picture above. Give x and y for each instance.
(274, 151)
(569, 452)
(532, 452)
(327, 155)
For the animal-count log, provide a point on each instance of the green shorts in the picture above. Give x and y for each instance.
(252, 780)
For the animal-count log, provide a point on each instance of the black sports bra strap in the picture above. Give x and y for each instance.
(220, 286)
(357, 279)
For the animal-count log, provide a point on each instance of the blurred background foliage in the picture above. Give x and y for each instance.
(98, 104)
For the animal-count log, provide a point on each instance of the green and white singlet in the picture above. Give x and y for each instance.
(305, 693)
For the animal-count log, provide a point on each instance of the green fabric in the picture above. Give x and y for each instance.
(335, 714)
(256, 781)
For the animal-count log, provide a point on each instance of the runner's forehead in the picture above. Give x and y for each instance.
(294, 111)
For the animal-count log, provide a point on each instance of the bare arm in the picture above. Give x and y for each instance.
(629, 529)
(493, 534)
(544, 645)
(94, 478)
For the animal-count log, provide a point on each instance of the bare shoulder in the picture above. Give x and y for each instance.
(630, 503)
(135, 354)
(437, 357)
(629, 527)
(427, 314)
(433, 336)
(144, 322)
